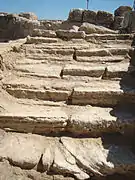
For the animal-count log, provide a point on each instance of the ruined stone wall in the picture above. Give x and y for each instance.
(13, 26)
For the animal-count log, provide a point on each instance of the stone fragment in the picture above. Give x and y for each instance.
(91, 28)
(99, 158)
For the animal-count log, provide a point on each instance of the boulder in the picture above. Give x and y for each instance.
(122, 10)
(104, 18)
(29, 15)
(91, 28)
(89, 16)
(128, 23)
(76, 15)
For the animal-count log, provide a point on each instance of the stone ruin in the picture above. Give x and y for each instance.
(67, 98)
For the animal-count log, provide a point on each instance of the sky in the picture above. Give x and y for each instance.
(58, 9)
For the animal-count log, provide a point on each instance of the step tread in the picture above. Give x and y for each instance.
(21, 116)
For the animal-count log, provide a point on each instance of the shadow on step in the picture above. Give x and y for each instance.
(124, 111)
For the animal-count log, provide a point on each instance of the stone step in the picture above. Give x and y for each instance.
(43, 33)
(104, 93)
(78, 158)
(46, 52)
(64, 59)
(117, 58)
(40, 70)
(37, 40)
(103, 52)
(75, 121)
(62, 45)
(96, 70)
(49, 95)
(94, 92)
(84, 52)
(77, 69)
(109, 37)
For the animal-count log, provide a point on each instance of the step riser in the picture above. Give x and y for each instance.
(96, 98)
(102, 98)
(102, 53)
(42, 95)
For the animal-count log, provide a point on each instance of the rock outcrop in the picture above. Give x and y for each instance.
(128, 23)
(119, 16)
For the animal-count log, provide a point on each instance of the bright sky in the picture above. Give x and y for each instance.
(58, 9)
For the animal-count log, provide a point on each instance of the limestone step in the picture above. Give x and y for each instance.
(40, 70)
(109, 37)
(104, 93)
(36, 40)
(50, 51)
(115, 58)
(43, 33)
(96, 70)
(61, 119)
(78, 158)
(94, 92)
(64, 59)
(84, 52)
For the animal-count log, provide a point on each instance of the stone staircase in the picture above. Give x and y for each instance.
(67, 109)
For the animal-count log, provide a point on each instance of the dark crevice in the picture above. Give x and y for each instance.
(69, 101)
(61, 73)
(104, 76)
(74, 54)
(40, 167)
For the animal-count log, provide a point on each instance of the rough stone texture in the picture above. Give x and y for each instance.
(117, 22)
(89, 16)
(48, 88)
(91, 28)
(13, 26)
(43, 33)
(128, 23)
(76, 15)
(38, 40)
(51, 25)
(29, 15)
(70, 34)
(104, 19)
(122, 10)
(81, 158)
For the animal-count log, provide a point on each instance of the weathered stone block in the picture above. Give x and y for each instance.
(89, 16)
(104, 18)
(76, 15)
